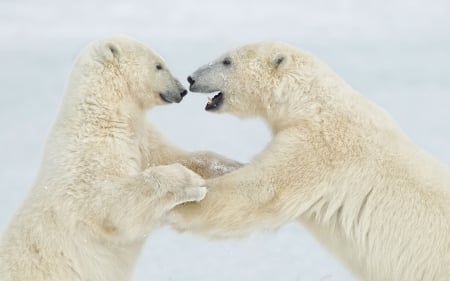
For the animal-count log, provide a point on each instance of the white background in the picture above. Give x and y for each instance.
(395, 52)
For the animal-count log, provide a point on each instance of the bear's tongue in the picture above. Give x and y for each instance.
(215, 102)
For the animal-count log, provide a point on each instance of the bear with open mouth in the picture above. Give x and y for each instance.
(337, 163)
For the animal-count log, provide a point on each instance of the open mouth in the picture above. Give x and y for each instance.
(214, 102)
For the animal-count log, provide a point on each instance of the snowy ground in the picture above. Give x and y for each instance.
(396, 52)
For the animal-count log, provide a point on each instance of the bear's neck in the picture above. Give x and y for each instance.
(290, 115)
(104, 105)
(309, 100)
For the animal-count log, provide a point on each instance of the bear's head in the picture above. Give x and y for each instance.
(251, 80)
(125, 66)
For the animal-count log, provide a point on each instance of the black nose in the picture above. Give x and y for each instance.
(190, 80)
(183, 93)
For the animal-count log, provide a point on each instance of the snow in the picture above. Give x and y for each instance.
(394, 52)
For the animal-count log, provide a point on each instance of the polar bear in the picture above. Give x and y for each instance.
(337, 163)
(107, 176)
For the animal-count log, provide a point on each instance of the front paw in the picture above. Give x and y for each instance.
(181, 184)
(228, 166)
(219, 167)
(211, 165)
(192, 194)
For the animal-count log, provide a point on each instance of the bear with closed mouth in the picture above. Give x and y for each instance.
(108, 177)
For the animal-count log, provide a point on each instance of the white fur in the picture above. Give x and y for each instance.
(337, 163)
(107, 176)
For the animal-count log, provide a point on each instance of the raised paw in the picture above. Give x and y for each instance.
(211, 165)
(190, 188)
(193, 194)
(178, 184)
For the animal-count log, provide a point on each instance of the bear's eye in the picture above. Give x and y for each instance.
(159, 66)
(226, 61)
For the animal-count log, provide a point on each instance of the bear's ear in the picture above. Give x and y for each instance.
(280, 60)
(110, 52)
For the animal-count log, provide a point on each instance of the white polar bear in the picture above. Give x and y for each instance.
(104, 183)
(337, 163)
